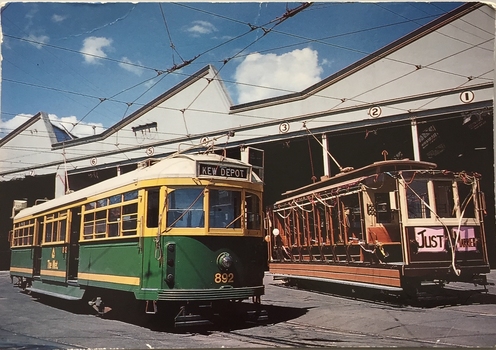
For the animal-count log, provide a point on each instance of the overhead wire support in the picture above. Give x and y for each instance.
(173, 47)
(291, 12)
(181, 65)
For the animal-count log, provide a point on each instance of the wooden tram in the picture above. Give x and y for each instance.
(185, 230)
(391, 225)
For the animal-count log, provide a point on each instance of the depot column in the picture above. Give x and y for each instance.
(415, 142)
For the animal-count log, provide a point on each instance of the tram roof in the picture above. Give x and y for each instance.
(357, 174)
(175, 166)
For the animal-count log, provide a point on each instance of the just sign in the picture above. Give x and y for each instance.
(430, 239)
(222, 171)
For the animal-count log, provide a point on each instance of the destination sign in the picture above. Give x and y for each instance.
(205, 169)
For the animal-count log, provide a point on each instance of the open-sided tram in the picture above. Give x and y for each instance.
(392, 225)
(183, 233)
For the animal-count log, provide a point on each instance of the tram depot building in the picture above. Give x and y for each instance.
(427, 96)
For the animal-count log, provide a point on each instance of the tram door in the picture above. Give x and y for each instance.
(74, 243)
(37, 248)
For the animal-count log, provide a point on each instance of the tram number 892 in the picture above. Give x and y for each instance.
(224, 277)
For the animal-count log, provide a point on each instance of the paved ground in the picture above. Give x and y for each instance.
(296, 319)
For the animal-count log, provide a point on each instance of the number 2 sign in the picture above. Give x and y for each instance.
(375, 111)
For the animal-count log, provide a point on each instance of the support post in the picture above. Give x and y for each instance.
(415, 142)
(325, 155)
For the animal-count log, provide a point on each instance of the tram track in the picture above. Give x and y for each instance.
(298, 334)
(429, 298)
(24, 341)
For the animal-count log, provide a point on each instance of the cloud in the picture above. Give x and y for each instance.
(326, 62)
(130, 66)
(198, 28)
(260, 76)
(32, 13)
(10, 125)
(58, 18)
(93, 48)
(76, 128)
(37, 41)
(65, 123)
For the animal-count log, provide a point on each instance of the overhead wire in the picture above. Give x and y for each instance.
(62, 62)
(117, 94)
(144, 67)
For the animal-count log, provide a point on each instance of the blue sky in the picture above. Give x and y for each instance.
(66, 58)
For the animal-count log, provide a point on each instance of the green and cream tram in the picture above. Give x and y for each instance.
(183, 230)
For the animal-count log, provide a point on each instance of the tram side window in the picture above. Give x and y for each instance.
(23, 233)
(48, 232)
(114, 216)
(443, 192)
(129, 219)
(55, 227)
(185, 208)
(100, 223)
(253, 221)
(89, 225)
(382, 207)
(224, 209)
(417, 199)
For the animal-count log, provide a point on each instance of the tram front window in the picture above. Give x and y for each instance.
(445, 205)
(466, 200)
(185, 208)
(225, 209)
(418, 200)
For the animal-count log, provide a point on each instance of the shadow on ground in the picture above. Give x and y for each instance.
(130, 311)
(427, 296)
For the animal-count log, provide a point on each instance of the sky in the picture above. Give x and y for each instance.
(89, 65)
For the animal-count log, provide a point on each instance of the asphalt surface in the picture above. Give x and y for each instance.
(464, 317)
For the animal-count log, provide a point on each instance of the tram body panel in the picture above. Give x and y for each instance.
(22, 261)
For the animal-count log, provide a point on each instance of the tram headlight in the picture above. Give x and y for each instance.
(225, 260)
(275, 232)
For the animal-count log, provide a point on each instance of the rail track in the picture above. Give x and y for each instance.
(298, 334)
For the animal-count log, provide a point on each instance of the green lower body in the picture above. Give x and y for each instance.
(179, 269)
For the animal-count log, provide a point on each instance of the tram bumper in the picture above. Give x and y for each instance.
(200, 307)
(469, 274)
(210, 294)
